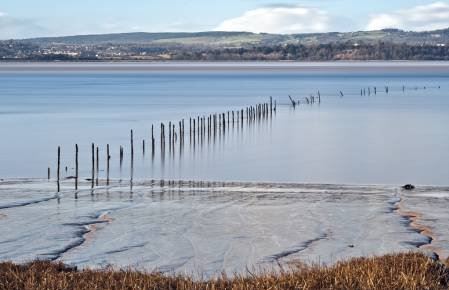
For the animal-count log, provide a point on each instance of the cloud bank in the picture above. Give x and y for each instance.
(419, 18)
(279, 19)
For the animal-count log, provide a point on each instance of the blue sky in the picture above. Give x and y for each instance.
(27, 18)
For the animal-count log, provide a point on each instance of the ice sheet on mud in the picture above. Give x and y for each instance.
(200, 228)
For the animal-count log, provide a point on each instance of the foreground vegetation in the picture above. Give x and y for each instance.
(401, 271)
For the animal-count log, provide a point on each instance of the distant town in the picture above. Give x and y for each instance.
(389, 44)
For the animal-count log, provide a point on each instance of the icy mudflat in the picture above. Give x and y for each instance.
(209, 227)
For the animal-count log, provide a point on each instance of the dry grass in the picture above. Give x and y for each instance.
(401, 271)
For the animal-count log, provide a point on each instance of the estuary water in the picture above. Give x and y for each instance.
(393, 138)
(315, 183)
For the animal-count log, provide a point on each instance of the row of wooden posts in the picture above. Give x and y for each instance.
(312, 99)
(369, 90)
(364, 91)
(199, 128)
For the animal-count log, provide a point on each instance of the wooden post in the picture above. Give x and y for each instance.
(108, 157)
(162, 141)
(93, 165)
(143, 146)
(173, 137)
(169, 135)
(224, 122)
(132, 156)
(180, 132)
(209, 126)
(76, 167)
(183, 132)
(121, 157)
(48, 173)
(194, 128)
(162, 128)
(198, 127)
(152, 140)
(132, 144)
(59, 167)
(293, 102)
(98, 165)
(163, 135)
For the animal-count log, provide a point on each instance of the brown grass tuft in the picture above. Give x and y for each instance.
(400, 271)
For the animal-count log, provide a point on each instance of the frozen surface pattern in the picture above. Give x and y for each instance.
(209, 227)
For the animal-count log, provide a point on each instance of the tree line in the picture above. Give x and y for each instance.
(11, 50)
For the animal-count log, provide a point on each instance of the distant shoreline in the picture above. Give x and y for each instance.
(334, 66)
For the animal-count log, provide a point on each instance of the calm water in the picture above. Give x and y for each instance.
(395, 138)
(229, 225)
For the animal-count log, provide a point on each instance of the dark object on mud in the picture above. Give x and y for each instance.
(408, 187)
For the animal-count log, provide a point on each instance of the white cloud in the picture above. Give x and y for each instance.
(278, 19)
(419, 18)
(2, 14)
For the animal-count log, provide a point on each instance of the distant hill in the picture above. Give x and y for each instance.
(143, 38)
(387, 44)
(233, 39)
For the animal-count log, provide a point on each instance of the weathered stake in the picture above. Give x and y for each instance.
(76, 167)
(152, 140)
(59, 167)
(98, 164)
(132, 144)
(93, 165)
(108, 157)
